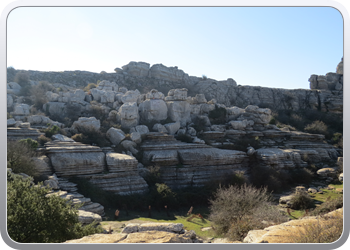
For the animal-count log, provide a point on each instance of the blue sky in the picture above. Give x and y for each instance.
(276, 47)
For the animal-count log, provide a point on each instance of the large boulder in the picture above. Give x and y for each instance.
(115, 135)
(137, 68)
(21, 110)
(179, 111)
(13, 88)
(130, 96)
(107, 86)
(153, 110)
(141, 129)
(120, 162)
(9, 101)
(172, 128)
(86, 123)
(129, 115)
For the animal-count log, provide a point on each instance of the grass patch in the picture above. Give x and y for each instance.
(319, 200)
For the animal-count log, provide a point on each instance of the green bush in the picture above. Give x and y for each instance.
(34, 217)
(30, 143)
(42, 139)
(91, 136)
(19, 158)
(301, 201)
(51, 130)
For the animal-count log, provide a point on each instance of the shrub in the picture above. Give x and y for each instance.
(51, 130)
(30, 143)
(325, 230)
(34, 217)
(42, 139)
(238, 209)
(317, 127)
(91, 136)
(39, 93)
(218, 115)
(19, 158)
(22, 78)
(328, 206)
(153, 176)
(90, 86)
(184, 138)
(301, 201)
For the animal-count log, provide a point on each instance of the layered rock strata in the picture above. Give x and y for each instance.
(190, 164)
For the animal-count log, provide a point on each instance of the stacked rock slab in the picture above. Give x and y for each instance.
(189, 164)
(22, 133)
(122, 178)
(72, 158)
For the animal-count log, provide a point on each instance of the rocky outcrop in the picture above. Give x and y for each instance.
(153, 108)
(145, 233)
(18, 133)
(326, 91)
(282, 233)
(190, 164)
(73, 158)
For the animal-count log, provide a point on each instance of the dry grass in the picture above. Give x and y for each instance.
(323, 229)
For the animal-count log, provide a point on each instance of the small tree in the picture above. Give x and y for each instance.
(236, 210)
(35, 217)
(19, 158)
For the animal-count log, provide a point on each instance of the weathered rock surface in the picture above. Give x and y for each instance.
(115, 135)
(86, 123)
(190, 164)
(145, 233)
(282, 233)
(19, 133)
(72, 158)
(129, 115)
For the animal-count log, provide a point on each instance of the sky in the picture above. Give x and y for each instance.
(279, 47)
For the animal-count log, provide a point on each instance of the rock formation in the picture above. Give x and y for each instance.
(145, 233)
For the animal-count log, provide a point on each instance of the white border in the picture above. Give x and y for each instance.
(13, 4)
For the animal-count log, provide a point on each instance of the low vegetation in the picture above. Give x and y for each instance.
(236, 210)
(34, 217)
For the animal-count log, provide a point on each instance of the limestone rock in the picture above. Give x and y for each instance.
(341, 177)
(107, 86)
(72, 158)
(139, 69)
(135, 137)
(99, 238)
(326, 172)
(129, 115)
(21, 109)
(155, 237)
(86, 123)
(340, 67)
(62, 138)
(11, 122)
(172, 128)
(154, 95)
(115, 135)
(177, 95)
(172, 74)
(13, 88)
(55, 108)
(153, 110)
(9, 101)
(130, 96)
(179, 111)
(86, 217)
(159, 128)
(120, 162)
(141, 129)
(130, 146)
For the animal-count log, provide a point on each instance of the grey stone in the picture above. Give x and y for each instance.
(115, 135)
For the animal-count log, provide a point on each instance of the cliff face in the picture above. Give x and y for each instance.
(325, 93)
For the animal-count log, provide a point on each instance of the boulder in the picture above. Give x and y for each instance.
(13, 88)
(153, 110)
(177, 95)
(139, 69)
(154, 95)
(326, 172)
(130, 96)
(130, 146)
(43, 166)
(129, 115)
(172, 128)
(159, 128)
(86, 123)
(86, 217)
(120, 162)
(179, 111)
(21, 109)
(141, 129)
(9, 101)
(172, 74)
(62, 138)
(136, 137)
(107, 86)
(115, 135)
(11, 122)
